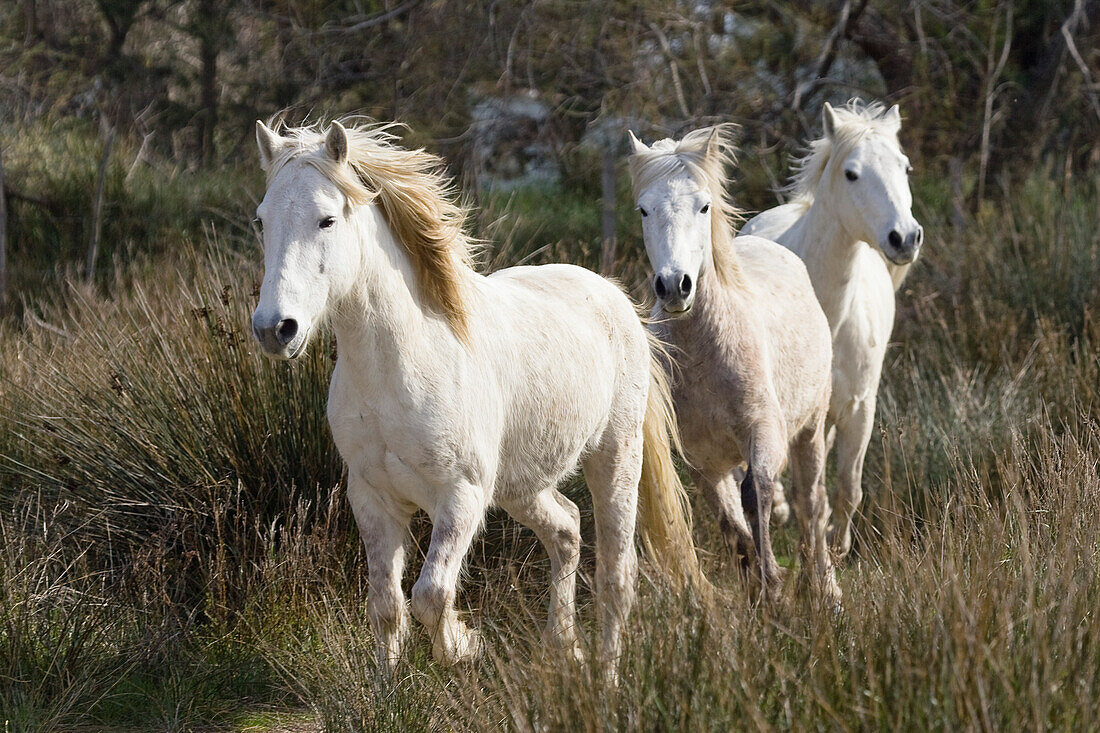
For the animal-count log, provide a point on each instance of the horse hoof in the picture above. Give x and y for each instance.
(568, 647)
(467, 648)
(840, 544)
(781, 509)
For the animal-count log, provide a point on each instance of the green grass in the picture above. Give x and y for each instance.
(177, 553)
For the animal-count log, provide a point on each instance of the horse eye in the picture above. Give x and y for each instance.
(908, 170)
(327, 222)
(705, 209)
(644, 212)
(258, 223)
(851, 175)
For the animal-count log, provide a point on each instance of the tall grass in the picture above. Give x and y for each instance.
(177, 552)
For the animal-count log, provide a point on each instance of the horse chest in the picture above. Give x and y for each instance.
(716, 409)
(409, 457)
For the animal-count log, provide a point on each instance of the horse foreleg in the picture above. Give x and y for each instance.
(852, 436)
(556, 521)
(382, 528)
(453, 528)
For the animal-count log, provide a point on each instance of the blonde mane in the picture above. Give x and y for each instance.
(855, 122)
(704, 154)
(417, 200)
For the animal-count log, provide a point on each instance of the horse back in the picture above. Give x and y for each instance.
(577, 362)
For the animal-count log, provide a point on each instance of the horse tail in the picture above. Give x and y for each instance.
(664, 514)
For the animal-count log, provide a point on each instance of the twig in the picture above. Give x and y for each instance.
(140, 156)
(703, 76)
(372, 21)
(34, 320)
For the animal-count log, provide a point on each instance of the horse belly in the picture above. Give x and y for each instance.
(549, 435)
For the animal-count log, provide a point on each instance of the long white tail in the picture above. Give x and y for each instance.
(664, 514)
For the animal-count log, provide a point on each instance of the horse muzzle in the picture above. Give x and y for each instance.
(675, 293)
(903, 249)
(279, 338)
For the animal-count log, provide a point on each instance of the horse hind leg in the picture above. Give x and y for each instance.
(781, 510)
(812, 510)
(757, 495)
(612, 473)
(453, 528)
(724, 498)
(852, 437)
(556, 521)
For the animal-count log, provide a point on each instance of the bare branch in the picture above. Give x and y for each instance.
(373, 20)
(1071, 46)
(673, 67)
(847, 19)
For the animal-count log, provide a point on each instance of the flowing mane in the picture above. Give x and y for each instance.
(417, 199)
(704, 153)
(855, 121)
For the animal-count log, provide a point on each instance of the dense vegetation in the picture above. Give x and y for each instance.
(175, 551)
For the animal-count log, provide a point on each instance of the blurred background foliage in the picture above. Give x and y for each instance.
(512, 93)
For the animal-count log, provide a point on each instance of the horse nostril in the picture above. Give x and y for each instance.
(920, 236)
(659, 287)
(685, 285)
(286, 331)
(894, 238)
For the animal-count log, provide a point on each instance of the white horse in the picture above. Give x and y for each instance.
(849, 190)
(454, 391)
(753, 346)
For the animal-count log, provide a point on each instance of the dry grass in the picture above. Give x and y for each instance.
(177, 553)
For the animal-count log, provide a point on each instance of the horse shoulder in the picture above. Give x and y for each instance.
(860, 340)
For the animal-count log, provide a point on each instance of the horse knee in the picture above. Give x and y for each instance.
(429, 600)
(849, 494)
(568, 540)
(385, 609)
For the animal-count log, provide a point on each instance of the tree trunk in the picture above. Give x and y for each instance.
(30, 12)
(208, 54)
(607, 180)
(3, 242)
(97, 208)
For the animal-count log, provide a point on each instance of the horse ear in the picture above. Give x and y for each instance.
(713, 142)
(893, 118)
(636, 145)
(828, 120)
(269, 143)
(336, 142)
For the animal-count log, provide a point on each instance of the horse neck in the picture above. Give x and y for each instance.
(716, 313)
(383, 322)
(829, 252)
